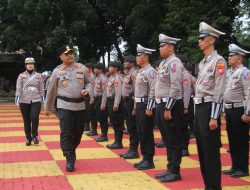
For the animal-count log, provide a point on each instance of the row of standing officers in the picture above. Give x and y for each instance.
(166, 92)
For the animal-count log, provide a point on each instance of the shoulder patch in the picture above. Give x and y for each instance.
(116, 83)
(151, 74)
(221, 68)
(246, 75)
(185, 82)
(173, 67)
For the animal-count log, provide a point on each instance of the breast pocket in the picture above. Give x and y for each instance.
(24, 80)
(63, 80)
(80, 78)
(208, 79)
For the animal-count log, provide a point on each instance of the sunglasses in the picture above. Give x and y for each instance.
(201, 38)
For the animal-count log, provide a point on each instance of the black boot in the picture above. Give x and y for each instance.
(92, 133)
(131, 155)
(70, 165)
(102, 138)
(28, 142)
(160, 144)
(115, 145)
(86, 127)
(146, 165)
(35, 140)
(185, 153)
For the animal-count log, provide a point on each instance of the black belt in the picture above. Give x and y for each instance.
(73, 100)
(111, 98)
(97, 97)
(130, 96)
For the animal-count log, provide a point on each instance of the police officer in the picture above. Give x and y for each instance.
(246, 116)
(235, 95)
(187, 91)
(128, 87)
(209, 91)
(161, 143)
(69, 83)
(169, 106)
(100, 100)
(89, 100)
(114, 104)
(29, 98)
(47, 75)
(144, 103)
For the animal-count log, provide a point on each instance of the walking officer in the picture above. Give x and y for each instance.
(29, 98)
(128, 87)
(68, 85)
(144, 103)
(114, 104)
(169, 106)
(238, 84)
(100, 100)
(209, 91)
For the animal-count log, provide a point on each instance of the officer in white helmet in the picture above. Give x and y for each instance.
(235, 96)
(208, 99)
(29, 98)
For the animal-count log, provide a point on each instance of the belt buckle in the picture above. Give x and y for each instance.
(197, 100)
(228, 106)
(158, 100)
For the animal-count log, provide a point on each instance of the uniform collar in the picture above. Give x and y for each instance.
(210, 56)
(27, 73)
(171, 57)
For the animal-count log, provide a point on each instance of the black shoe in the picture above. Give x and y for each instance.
(123, 153)
(139, 163)
(70, 166)
(238, 173)
(28, 142)
(115, 145)
(192, 136)
(156, 127)
(131, 155)
(160, 144)
(86, 127)
(101, 139)
(35, 140)
(125, 132)
(185, 153)
(228, 172)
(161, 175)
(92, 133)
(146, 165)
(171, 177)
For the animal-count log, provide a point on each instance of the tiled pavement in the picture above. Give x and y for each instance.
(42, 167)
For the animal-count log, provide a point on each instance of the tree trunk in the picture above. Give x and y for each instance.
(120, 57)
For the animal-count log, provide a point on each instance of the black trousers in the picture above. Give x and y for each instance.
(91, 114)
(145, 127)
(208, 144)
(116, 119)
(238, 132)
(128, 105)
(160, 120)
(102, 116)
(188, 125)
(30, 113)
(72, 127)
(191, 115)
(175, 134)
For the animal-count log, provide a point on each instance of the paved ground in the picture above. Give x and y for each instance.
(42, 167)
